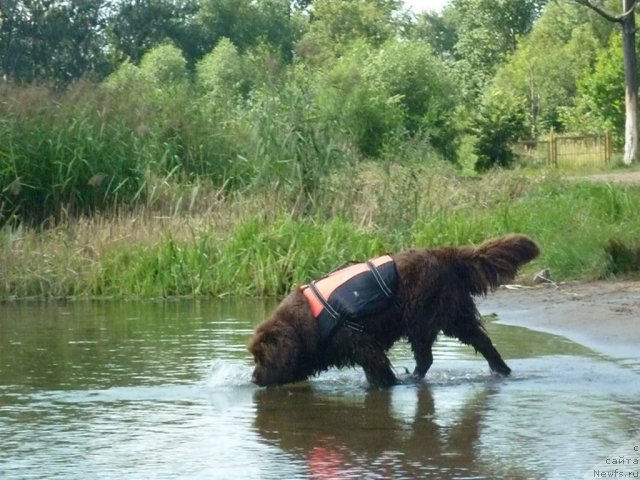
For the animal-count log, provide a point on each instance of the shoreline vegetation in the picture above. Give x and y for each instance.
(192, 239)
(243, 168)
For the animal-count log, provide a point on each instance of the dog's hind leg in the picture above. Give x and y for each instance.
(478, 339)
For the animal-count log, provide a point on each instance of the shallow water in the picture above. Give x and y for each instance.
(116, 390)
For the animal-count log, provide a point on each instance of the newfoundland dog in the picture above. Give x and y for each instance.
(354, 316)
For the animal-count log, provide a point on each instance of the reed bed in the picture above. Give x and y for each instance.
(134, 188)
(194, 240)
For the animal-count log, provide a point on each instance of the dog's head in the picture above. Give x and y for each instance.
(275, 353)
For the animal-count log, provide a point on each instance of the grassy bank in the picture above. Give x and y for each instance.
(193, 240)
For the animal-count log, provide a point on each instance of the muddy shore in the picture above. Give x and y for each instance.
(603, 316)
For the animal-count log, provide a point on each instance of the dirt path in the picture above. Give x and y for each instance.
(621, 177)
(604, 316)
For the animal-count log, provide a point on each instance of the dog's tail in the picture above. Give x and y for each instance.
(496, 261)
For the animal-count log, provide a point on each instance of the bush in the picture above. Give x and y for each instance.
(358, 106)
(499, 122)
(409, 72)
(222, 74)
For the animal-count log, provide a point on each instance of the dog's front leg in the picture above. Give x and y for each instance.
(423, 364)
(423, 354)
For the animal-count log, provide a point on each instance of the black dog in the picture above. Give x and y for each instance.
(433, 293)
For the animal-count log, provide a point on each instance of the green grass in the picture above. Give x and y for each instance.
(256, 243)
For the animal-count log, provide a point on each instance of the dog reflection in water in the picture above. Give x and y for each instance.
(371, 435)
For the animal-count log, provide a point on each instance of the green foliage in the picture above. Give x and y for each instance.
(165, 66)
(155, 100)
(499, 122)
(259, 259)
(62, 156)
(586, 230)
(160, 77)
(623, 258)
(439, 31)
(272, 94)
(127, 78)
(223, 74)
(545, 68)
(573, 223)
(289, 150)
(248, 24)
(360, 108)
(133, 27)
(488, 32)
(247, 97)
(52, 42)
(599, 104)
(336, 24)
(380, 98)
(410, 72)
(566, 212)
(270, 259)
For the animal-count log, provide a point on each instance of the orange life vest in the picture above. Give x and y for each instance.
(343, 296)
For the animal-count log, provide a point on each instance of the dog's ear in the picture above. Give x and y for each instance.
(255, 343)
(270, 339)
(263, 344)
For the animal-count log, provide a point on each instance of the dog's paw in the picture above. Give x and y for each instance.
(501, 370)
(408, 378)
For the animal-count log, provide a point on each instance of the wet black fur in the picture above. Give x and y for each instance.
(436, 289)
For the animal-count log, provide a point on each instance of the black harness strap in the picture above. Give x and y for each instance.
(338, 319)
(383, 286)
(358, 327)
(330, 310)
(381, 283)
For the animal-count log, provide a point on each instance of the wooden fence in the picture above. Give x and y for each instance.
(566, 150)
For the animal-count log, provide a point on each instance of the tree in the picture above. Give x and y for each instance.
(437, 30)
(52, 40)
(222, 73)
(136, 26)
(488, 32)
(599, 103)
(335, 24)
(627, 22)
(410, 72)
(561, 49)
(350, 98)
(499, 120)
(248, 24)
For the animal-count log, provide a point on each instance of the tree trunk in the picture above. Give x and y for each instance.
(627, 21)
(630, 83)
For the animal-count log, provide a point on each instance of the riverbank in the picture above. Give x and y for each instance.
(603, 316)
(192, 241)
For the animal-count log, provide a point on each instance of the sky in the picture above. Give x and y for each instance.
(422, 5)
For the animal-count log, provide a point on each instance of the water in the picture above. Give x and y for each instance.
(161, 390)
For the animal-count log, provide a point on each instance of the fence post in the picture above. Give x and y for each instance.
(553, 147)
(607, 147)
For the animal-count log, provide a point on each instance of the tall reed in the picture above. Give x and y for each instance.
(257, 244)
(64, 155)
